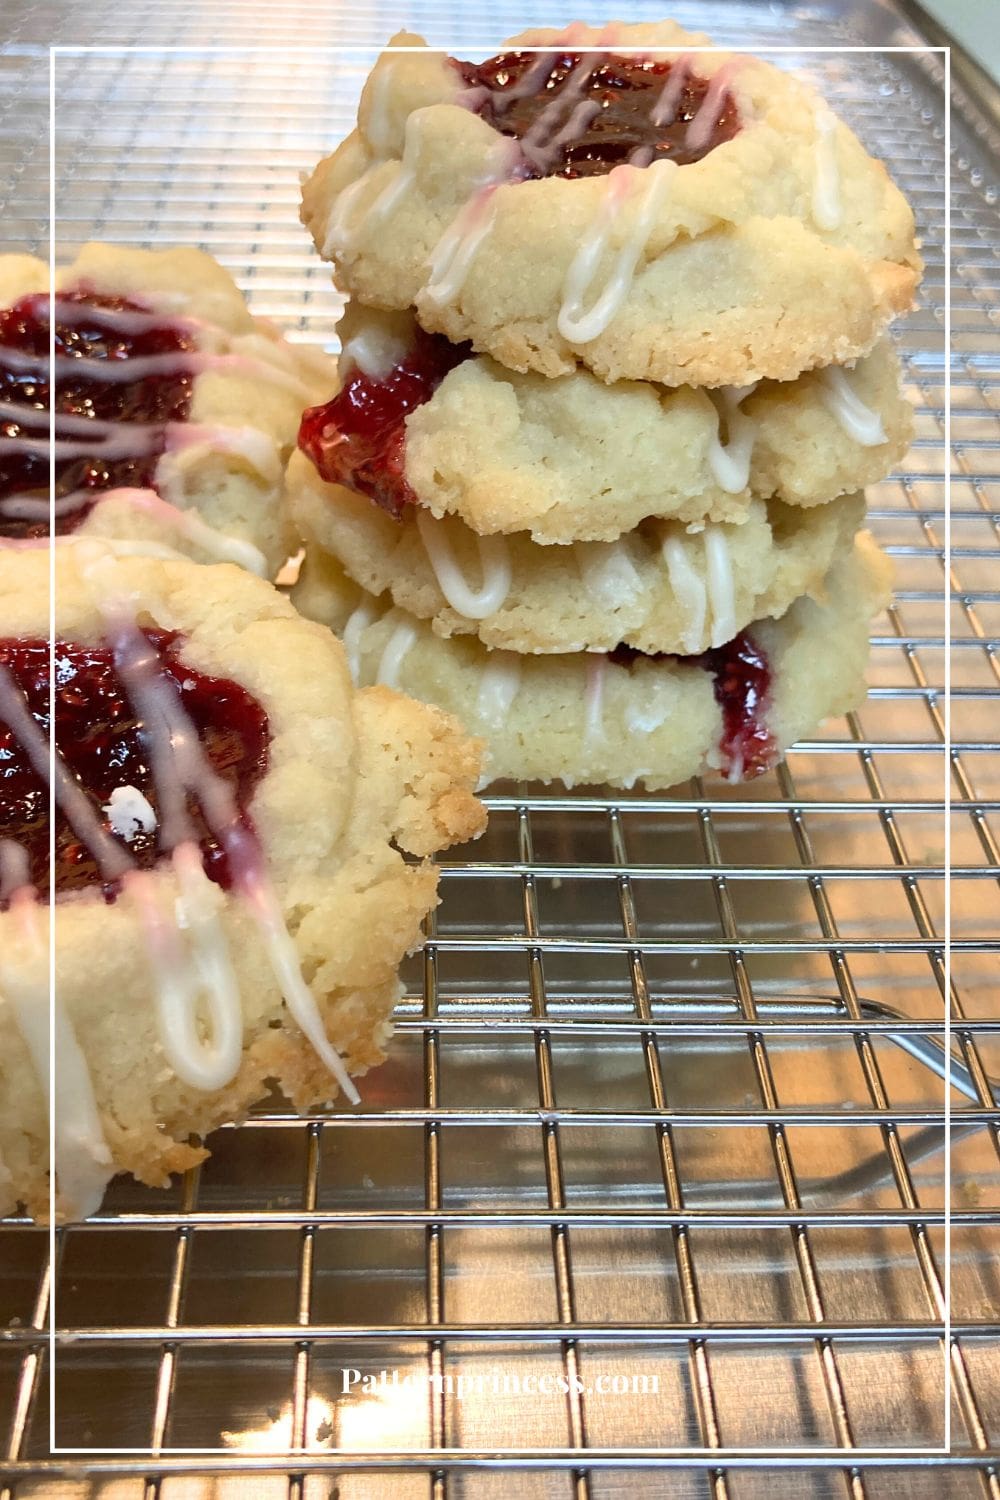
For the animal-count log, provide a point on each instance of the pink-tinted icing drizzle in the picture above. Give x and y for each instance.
(639, 109)
(548, 132)
(183, 766)
(112, 860)
(131, 321)
(83, 1160)
(101, 375)
(15, 870)
(702, 127)
(34, 508)
(190, 965)
(182, 971)
(121, 385)
(664, 111)
(152, 366)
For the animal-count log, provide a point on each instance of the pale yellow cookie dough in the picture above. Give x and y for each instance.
(581, 719)
(353, 778)
(785, 248)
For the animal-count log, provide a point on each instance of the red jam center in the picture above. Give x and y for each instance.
(742, 683)
(104, 745)
(85, 331)
(598, 120)
(358, 438)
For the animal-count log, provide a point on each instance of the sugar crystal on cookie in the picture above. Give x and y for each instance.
(102, 742)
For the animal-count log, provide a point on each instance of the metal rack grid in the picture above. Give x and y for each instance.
(665, 1097)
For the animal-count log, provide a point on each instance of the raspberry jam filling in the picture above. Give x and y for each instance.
(599, 111)
(86, 329)
(105, 746)
(742, 681)
(358, 438)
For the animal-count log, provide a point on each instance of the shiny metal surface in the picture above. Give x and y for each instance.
(665, 1098)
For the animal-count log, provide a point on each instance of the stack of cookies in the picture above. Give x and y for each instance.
(614, 375)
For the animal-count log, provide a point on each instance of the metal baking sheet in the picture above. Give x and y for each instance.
(665, 1100)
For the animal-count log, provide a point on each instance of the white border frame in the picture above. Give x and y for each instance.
(329, 1457)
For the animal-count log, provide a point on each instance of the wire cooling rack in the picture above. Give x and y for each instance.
(664, 1114)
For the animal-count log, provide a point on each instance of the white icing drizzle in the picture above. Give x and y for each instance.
(354, 628)
(114, 440)
(258, 448)
(186, 947)
(128, 320)
(192, 972)
(174, 362)
(378, 122)
(401, 183)
(700, 127)
(456, 249)
(373, 350)
(498, 687)
(579, 119)
(83, 1159)
(265, 365)
(537, 73)
(180, 766)
(402, 637)
(532, 79)
(608, 572)
(721, 590)
(346, 216)
(175, 754)
(689, 588)
(132, 442)
(122, 547)
(730, 464)
(826, 205)
(189, 524)
(642, 156)
(129, 813)
(37, 507)
(111, 371)
(645, 720)
(284, 960)
(263, 338)
(540, 144)
(653, 182)
(113, 862)
(185, 523)
(30, 416)
(593, 697)
(475, 96)
(494, 561)
(184, 445)
(664, 111)
(562, 119)
(15, 870)
(350, 214)
(847, 408)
